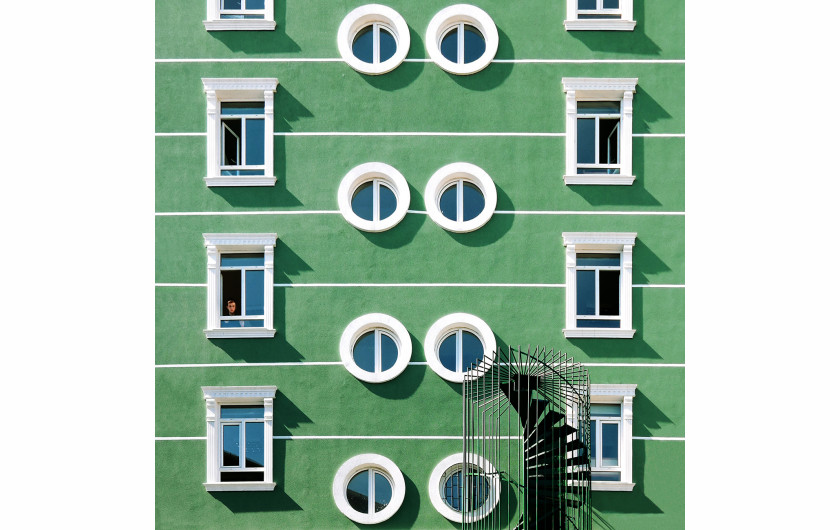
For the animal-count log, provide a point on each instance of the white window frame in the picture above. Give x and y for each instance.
(220, 90)
(380, 174)
(455, 16)
(623, 395)
(625, 23)
(380, 323)
(214, 398)
(218, 244)
(459, 172)
(600, 89)
(600, 243)
(368, 461)
(215, 22)
(452, 464)
(380, 17)
(454, 322)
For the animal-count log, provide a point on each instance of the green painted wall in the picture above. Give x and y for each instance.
(323, 248)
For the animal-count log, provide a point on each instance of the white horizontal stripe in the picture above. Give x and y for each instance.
(515, 285)
(176, 438)
(421, 212)
(659, 135)
(570, 212)
(413, 363)
(500, 61)
(180, 134)
(429, 133)
(305, 437)
(276, 212)
(635, 365)
(660, 438)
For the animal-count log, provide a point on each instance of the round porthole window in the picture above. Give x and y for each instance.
(460, 197)
(375, 348)
(368, 488)
(373, 197)
(459, 344)
(471, 491)
(373, 39)
(462, 39)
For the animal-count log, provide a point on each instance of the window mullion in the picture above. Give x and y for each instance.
(459, 353)
(597, 139)
(459, 201)
(242, 458)
(375, 200)
(460, 43)
(242, 291)
(377, 351)
(598, 291)
(375, 43)
(371, 493)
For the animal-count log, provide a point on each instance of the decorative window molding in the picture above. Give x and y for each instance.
(226, 428)
(379, 175)
(379, 19)
(588, 89)
(459, 182)
(245, 172)
(383, 329)
(444, 486)
(622, 395)
(458, 17)
(594, 15)
(241, 246)
(375, 465)
(583, 306)
(457, 333)
(227, 15)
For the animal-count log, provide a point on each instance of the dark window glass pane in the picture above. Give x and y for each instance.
(452, 491)
(254, 292)
(449, 202)
(586, 4)
(387, 45)
(580, 16)
(364, 352)
(446, 352)
(586, 140)
(231, 142)
(591, 260)
(473, 201)
(593, 444)
(585, 292)
(387, 201)
(357, 492)
(241, 411)
(608, 292)
(585, 323)
(477, 492)
(449, 45)
(381, 492)
(231, 4)
(608, 141)
(255, 146)
(243, 260)
(474, 45)
(606, 476)
(231, 290)
(609, 444)
(230, 445)
(594, 170)
(260, 4)
(243, 107)
(363, 45)
(598, 107)
(252, 323)
(237, 172)
(605, 409)
(610, 4)
(388, 349)
(472, 350)
(362, 201)
(254, 444)
(249, 476)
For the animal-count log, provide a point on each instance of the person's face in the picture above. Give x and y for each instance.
(231, 307)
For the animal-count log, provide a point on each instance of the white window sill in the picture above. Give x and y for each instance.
(596, 24)
(251, 180)
(612, 486)
(240, 24)
(598, 333)
(239, 333)
(602, 180)
(239, 486)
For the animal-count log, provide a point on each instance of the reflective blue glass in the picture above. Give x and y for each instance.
(606, 476)
(471, 350)
(452, 491)
(363, 45)
(255, 146)
(362, 201)
(473, 44)
(605, 409)
(254, 444)
(387, 45)
(364, 352)
(240, 412)
(449, 202)
(254, 293)
(585, 292)
(586, 4)
(259, 4)
(478, 490)
(358, 491)
(243, 260)
(598, 107)
(593, 443)
(242, 107)
(586, 140)
(597, 15)
(610, 4)
(609, 444)
(473, 201)
(253, 323)
(231, 4)
(449, 45)
(585, 323)
(236, 172)
(381, 492)
(388, 349)
(596, 170)
(387, 201)
(592, 260)
(447, 352)
(230, 445)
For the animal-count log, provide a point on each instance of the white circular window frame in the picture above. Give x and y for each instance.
(365, 173)
(359, 463)
(450, 174)
(371, 322)
(442, 471)
(362, 17)
(450, 17)
(446, 325)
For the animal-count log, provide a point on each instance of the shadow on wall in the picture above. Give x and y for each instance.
(624, 502)
(401, 387)
(635, 41)
(496, 227)
(636, 194)
(406, 516)
(494, 74)
(261, 42)
(400, 77)
(647, 416)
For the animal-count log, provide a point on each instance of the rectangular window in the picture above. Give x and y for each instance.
(242, 9)
(598, 290)
(611, 436)
(243, 443)
(243, 290)
(598, 137)
(604, 429)
(243, 138)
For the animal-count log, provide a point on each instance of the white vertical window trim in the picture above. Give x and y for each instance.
(618, 394)
(625, 23)
(215, 22)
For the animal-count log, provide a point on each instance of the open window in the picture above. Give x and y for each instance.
(599, 130)
(240, 131)
(611, 436)
(599, 276)
(231, 15)
(239, 437)
(593, 15)
(240, 285)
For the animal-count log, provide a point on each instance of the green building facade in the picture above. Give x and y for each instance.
(506, 127)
